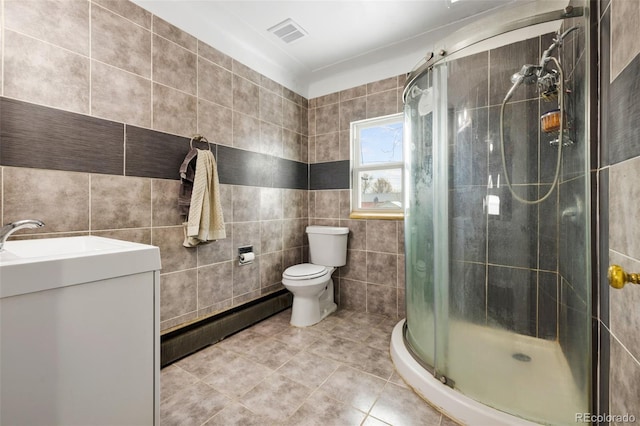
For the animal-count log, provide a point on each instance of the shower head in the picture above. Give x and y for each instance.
(528, 74)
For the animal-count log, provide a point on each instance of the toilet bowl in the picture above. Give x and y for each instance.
(312, 289)
(311, 283)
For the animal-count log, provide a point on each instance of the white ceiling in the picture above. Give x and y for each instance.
(349, 42)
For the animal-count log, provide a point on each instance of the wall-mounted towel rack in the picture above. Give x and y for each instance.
(199, 138)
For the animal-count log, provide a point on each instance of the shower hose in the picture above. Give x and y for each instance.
(560, 143)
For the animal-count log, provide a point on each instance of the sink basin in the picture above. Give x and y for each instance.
(16, 251)
(41, 264)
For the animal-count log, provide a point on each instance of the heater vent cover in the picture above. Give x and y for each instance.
(288, 31)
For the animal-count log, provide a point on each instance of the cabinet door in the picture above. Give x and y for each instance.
(83, 354)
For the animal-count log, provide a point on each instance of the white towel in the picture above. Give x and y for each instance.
(206, 221)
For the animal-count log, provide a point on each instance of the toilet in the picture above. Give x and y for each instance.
(311, 283)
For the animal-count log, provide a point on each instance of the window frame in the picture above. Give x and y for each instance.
(357, 212)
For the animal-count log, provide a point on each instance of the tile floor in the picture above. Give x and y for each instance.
(337, 372)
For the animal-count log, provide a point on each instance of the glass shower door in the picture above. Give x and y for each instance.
(419, 229)
(498, 290)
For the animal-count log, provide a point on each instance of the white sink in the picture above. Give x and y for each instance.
(40, 264)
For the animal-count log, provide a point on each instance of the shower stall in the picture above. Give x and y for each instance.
(497, 220)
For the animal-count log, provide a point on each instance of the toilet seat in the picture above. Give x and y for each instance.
(305, 271)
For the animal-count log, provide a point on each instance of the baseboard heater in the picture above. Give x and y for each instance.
(186, 340)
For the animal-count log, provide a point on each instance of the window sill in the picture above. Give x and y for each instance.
(377, 215)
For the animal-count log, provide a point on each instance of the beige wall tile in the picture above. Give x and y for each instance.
(246, 278)
(174, 66)
(246, 203)
(624, 188)
(214, 55)
(623, 302)
(246, 234)
(327, 119)
(271, 85)
(215, 284)
(173, 256)
(246, 132)
(382, 236)
(59, 199)
(331, 98)
(174, 111)
(357, 234)
(138, 235)
(382, 85)
(382, 269)
(293, 233)
(219, 250)
(625, 18)
(245, 97)
(271, 236)
(41, 73)
(119, 42)
(270, 203)
(42, 20)
(178, 294)
(354, 92)
(128, 10)
(120, 96)
(292, 146)
(356, 267)
(246, 72)
(624, 378)
(327, 204)
(120, 202)
(328, 147)
(164, 199)
(352, 110)
(215, 83)
(215, 122)
(380, 300)
(353, 295)
(292, 117)
(382, 103)
(271, 139)
(294, 203)
(174, 34)
(270, 107)
(270, 269)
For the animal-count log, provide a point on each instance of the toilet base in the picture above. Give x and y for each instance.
(307, 311)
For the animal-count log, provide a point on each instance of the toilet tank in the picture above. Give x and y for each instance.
(327, 245)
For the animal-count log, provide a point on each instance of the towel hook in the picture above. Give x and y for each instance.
(199, 138)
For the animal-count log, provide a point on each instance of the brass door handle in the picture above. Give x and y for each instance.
(618, 277)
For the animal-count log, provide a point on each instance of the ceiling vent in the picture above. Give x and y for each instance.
(288, 31)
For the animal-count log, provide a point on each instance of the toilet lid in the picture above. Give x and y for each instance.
(305, 271)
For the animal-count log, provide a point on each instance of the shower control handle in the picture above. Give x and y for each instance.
(618, 277)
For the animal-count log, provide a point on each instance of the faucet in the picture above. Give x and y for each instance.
(9, 229)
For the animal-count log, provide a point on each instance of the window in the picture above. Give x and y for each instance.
(377, 168)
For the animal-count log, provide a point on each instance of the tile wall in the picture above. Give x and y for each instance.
(373, 279)
(620, 180)
(99, 99)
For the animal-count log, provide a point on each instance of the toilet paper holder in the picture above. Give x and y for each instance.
(245, 255)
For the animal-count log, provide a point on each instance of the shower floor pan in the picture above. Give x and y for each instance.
(508, 371)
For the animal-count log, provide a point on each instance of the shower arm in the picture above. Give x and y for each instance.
(546, 55)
